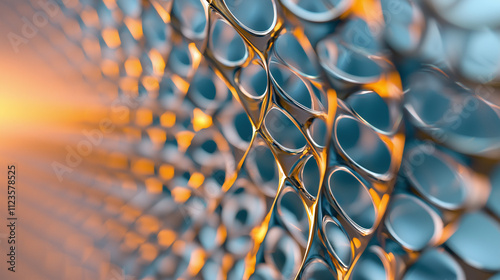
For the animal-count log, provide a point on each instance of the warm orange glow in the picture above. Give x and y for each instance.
(181, 194)
(196, 262)
(180, 83)
(391, 257)
(110, 68)
(148, 224)
(143, 166)
(132, 133)
(148, 252)
(129, 185)
(385, 200)
(154, 186)
(195, 54)
(166, 237)
(389, 86)
(157, 135)
(133, 240)
(369, 10)
(130, 85)
(356, 242)
(221, 234)
(150, 83)
(375, 197)
(117, 160)
(105, 86)
(167, 119)
(121, 116)
(157, 61)
(167, 171)
(184, 139)
(133, 67)
(399, 145)
(447, 232)
(227, 262)
(43, 109)
(143, 117)
(196, 180)
(91, 47)
(179, 246)
(110, 4)
(135, 27)
(165, 16)
(201, 120)
(111, 37)
(89, 17)
(129, 213)
(258, 233)
(92, 72)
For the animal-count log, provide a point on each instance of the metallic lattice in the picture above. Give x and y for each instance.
(294, 139)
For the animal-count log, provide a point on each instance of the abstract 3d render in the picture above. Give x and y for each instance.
(250, 139)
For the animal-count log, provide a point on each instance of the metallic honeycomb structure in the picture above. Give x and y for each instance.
(292, 139)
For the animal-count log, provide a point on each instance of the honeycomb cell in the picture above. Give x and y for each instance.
(317, 11)
(258, 17)
(338, 241)
(351, 136)
(293, 215)
(480, 249)
(277, 123)
(227, 45)
(436, 177)
(435, 264)
(352, 197)
(412, 223)
(317, 269)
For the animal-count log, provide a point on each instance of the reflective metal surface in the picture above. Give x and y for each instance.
(272, 139)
